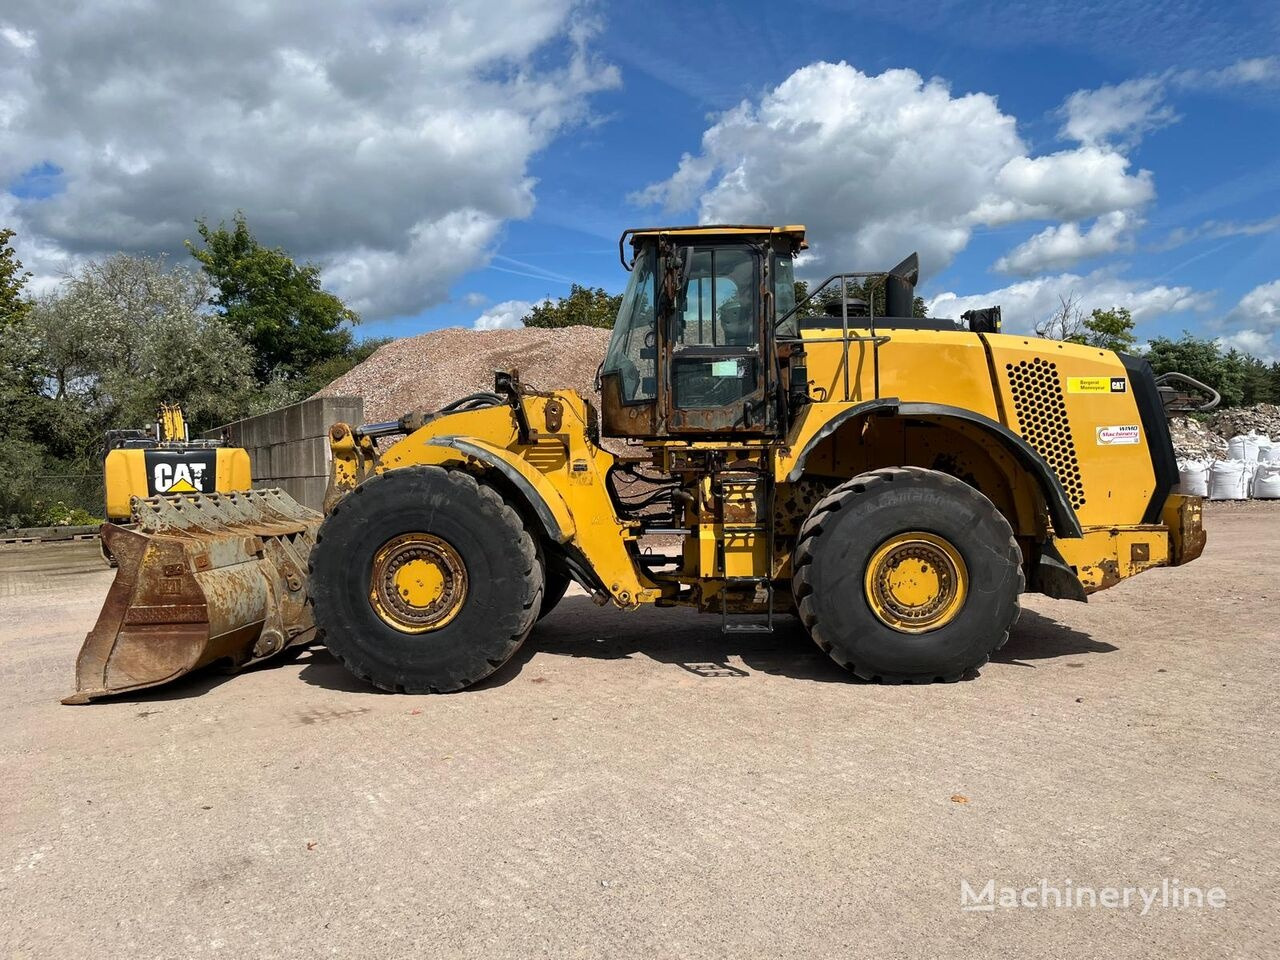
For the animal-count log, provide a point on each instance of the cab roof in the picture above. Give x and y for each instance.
(708, 229)
(636, 234)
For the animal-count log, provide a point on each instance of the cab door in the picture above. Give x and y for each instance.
(717, 344)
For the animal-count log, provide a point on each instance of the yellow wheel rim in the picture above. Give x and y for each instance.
(916, 582)
(418, 583)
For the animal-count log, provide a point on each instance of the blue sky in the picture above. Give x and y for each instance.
(1158, 186)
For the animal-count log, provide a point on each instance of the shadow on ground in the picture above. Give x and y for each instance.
(1037, 637)
(681, 638)
(693, 642)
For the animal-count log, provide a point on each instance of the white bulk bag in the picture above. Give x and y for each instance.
(1266, 481)
(1245, 447)
(1193, 478)
(1268, 449)
(1229, 480)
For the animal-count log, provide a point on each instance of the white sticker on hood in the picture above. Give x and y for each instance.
(1116, 436)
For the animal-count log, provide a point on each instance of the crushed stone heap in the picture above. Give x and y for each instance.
(1192, 440)
(427, 371)
(1260, 418)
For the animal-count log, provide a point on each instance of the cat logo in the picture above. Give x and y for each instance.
(1097, 385)
(170, 471)
(179, 477)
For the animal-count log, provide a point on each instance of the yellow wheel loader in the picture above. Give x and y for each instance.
(896, 482)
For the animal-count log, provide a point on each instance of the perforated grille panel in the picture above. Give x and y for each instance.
(1042, 421)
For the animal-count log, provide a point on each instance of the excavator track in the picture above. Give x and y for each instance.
(200, 579)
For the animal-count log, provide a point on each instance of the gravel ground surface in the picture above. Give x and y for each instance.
(639, 785)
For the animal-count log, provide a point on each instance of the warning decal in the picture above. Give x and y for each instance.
(1097, 385)
(1117, 436)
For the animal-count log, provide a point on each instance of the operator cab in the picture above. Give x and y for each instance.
(710, 341)
(693, 346)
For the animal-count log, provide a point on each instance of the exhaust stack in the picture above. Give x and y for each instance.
(900, 288)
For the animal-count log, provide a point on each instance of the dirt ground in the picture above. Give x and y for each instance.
(640, 785)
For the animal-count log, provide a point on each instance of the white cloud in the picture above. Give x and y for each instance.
(1261, 305)
(1256, 319)
(1256, 343)
(20, 39)
(1064, 244)
(1246, 72)
(47, 263)
(508, 315)
(388, 144)
(1069, 185)
(1218, 229)
(1124, 111)
(880, 165)
(1027, 302)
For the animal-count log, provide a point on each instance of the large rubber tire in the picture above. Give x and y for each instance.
(838, 540)
(504, 580)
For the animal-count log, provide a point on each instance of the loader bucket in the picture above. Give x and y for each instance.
(200, 578)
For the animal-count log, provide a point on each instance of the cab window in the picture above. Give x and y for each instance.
(632, 352)
(720, 299)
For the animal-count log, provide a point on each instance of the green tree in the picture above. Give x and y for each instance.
(20, 456)
(1106, 329)
(1110, 330)
(14, 303)
(584, 306)
(124, 334)
(1259, 383)
(1203, 360)
(276, 306)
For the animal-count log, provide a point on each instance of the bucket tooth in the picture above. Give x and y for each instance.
(200, 578)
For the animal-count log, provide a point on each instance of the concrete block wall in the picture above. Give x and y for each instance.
(289, 447)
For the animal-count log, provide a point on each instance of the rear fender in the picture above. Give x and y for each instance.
(1065, 522)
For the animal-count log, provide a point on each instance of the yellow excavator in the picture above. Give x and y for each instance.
(894, 481)
(146, 463)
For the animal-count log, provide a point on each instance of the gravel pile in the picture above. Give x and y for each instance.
(427, 371)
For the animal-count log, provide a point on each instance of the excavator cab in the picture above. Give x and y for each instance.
(693, 351)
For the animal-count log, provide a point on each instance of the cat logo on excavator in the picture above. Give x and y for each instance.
(893, 480)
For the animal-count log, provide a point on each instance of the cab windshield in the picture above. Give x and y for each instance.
(633, 347)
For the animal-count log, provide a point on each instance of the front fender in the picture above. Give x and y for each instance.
(540, 495)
